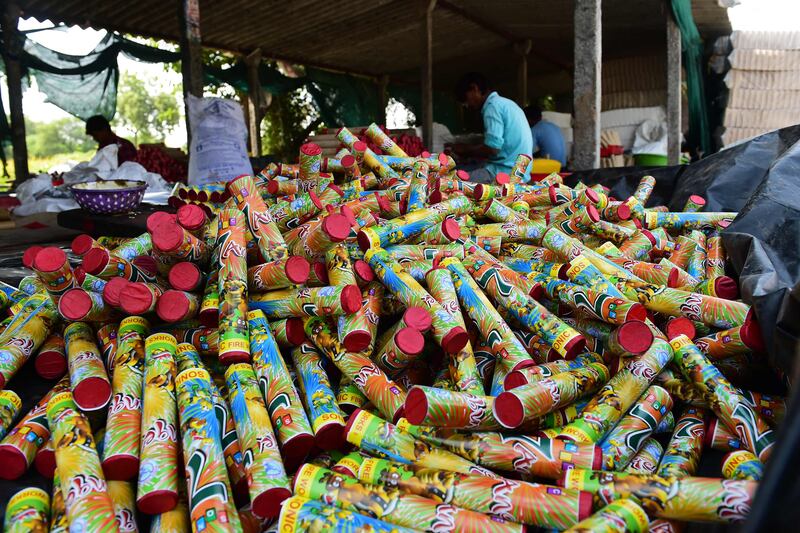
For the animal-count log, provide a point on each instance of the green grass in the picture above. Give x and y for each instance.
(38, 165)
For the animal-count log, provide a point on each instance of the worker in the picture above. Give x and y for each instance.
(548, 142)
(98, 128)
(506, 132)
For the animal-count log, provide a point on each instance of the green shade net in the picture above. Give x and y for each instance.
(692, 46)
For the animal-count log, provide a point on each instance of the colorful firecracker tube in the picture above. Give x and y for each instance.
(315, 301)
(89, 507)
(357, 331)
(620, 516)
(28, 510)
(682, 454)
(54, 271)
(88, 378)
(157, 490)
(741, 464)
(430, 406)
(392, 505)
(25, 334)
(282, 400)
(234, 346)
(10, 405)
(647, 458)
(299, 515)
(211, 506)
(123, 496)
(123, 426)
(267, 234)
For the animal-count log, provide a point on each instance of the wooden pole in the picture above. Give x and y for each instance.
(11, 50)
(191, 53)
(523, 49)
(383, 99)
(673, 89)
(427, 72)
(586, 84)
(254, 99)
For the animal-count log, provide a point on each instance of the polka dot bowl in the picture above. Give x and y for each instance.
(108, 197)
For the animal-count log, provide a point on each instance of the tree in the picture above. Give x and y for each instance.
(147, 110)
(62, 136)
(288, 120)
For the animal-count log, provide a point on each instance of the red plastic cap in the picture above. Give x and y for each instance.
(455, 339)
(585, 505)
(173, 306)
(623, 212)
(310, 149)
(157, 502)
(637, 312)
(167, 237)
(185, 276)
(359, 146)
(138, 299)
(673, 278)
(435, 197)
(336, 226)
(477, 192)
(75, 304)
(514, 379)
(650, 236)
(501, 178)
(321, 271)
(696, 199)
(157, 219)
(80, 244)
(45, 462)
(417, 318)
(294, 331)
(79, 273)
(146, 263)
(592, 195)
(463, 175)
(273, 186)
(363, 271)
(409, 341)
(29, 255)
(268, 504)
(348, 161)
(351, 299)
(330, 437)
(451, 229)
(357, 340)
(726, 287)
(13, 461)
(680, 326)
(121, 467)
(751, 336)
(49, 259)
(191, 216)
(49, 364)
(594, 215)
(711, 427)
(349, 215)
(94, 261)
(635, 337)
(574, 347)
(113, 290)
(508, 410)
(92, 393)
(416, 406)
(297, 269)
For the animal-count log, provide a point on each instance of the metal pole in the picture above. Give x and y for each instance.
(586, 84)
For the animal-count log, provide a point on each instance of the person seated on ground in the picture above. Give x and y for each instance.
(98, 128)
(548, 142)
(506, 132)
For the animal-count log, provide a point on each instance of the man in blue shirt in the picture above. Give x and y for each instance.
(506, 130)
(547, 139)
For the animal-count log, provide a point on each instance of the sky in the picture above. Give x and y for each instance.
(776, 15)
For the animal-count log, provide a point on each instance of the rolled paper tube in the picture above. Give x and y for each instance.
(268, 237)
(79, 245)
(24, 334)
(45, 460)
(402, 228)
(620, 516)
(499, 212)
(709, 310)
(610, 404)
(696, 266)
(446, 330)
(185, 276)
(202, 452)
(140, 298)
(88, 378)
(493, 328)
(667, 424)
(530, 231)
(310, 161)
(384, 393)
(537, 456)
(734, 341)
(444, 233)
(638, 245)
(682, 455)
(58, 509)
(429, 406)
(308, 301)
(192, 218)
(644, 189)
(99, 263)
(173, 243)
(188, 359)
(10, 405)
(267, 481)
(610, 231)
(627, 437)
(686, 221)
(295, 210)
(157, 490)
(174, 306)
(28, 510)
(772, 408)
(694, 203)
(297, 513)
(428, 252)
(463, 368)
(383, 141)
(55, 272)
(408, 510)
(728, 403)
(715, 257)
(348, 396)
(632, 337)
(741, 464)
(288, 332)
(318, 235)
(417, 189)
(123, 426)
(51, 361)
(534, 374)
(679, 277)
(209, 305)
(650, 272)
(646, 460)
(326, 418)
(721, 287)
(340, 266)
(79, 304)
(29, 255)
(529, 402)
(232, 278)
(357, 332)
(404, 347)
(351, 170)
(583, 272)
(525, 266)
(82, 483)
(282, 400)
(30, 285)
(349, 464)
(89, 282)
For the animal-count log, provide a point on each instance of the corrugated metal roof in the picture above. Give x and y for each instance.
(382, 37)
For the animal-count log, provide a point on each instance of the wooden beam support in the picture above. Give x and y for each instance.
(427, 72)
(191, 53)
(586, 84)
(254, 101)
(673, 89)
(12, 47)
(523, 49)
